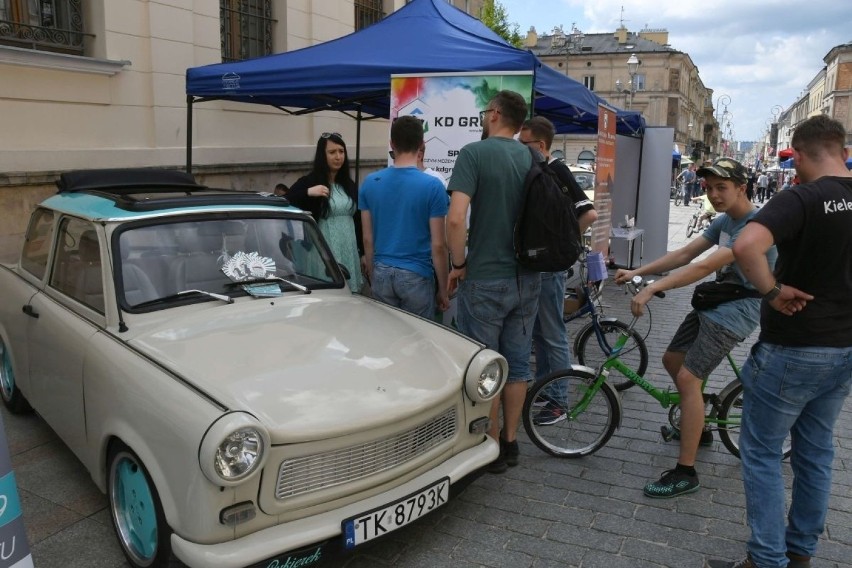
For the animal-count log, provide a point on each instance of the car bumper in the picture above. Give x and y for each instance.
(299, 534)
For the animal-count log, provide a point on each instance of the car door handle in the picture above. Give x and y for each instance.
(28, 309)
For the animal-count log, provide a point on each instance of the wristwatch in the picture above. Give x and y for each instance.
(458, 266)
(773, 293)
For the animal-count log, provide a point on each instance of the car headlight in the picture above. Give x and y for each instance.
(233, 449)
(239, 454)
(485, 376)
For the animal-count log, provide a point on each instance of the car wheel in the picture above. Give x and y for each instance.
(12, 397)
(137, 514)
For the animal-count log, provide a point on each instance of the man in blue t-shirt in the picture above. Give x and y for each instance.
(403, 220)
(706, 336)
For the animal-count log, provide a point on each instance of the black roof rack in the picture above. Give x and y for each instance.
(148, 189)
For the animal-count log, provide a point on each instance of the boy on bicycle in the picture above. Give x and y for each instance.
(707, 335)
(709, 210)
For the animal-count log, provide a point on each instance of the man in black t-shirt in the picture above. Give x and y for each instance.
(550, 338)
(800, 371)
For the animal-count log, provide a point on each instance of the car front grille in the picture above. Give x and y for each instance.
(301, 475)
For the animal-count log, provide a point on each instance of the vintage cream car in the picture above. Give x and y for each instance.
(200, 353)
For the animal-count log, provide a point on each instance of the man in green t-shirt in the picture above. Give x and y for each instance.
(497, 299)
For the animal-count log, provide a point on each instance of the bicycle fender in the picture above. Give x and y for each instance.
(619, 409)
(728, 388)
(608, 320)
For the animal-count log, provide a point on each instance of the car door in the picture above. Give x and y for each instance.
(69, 313)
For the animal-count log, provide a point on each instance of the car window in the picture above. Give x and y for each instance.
(76, 269)
(37, 243)
(586, 180)
(160, 260)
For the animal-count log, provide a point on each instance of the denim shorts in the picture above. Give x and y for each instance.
(705, 343)
(501, 313)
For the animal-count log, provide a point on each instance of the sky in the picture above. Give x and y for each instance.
(761, 53)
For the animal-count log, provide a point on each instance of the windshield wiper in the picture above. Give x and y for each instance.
(270, 279)
(172, 297)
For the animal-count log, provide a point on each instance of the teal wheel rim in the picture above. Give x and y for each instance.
(7, 377)
(133, 509)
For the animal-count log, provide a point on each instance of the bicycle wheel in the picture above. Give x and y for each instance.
(691, 226)
(677, 198)
(548, 403)
(730, 415)
(589, 350)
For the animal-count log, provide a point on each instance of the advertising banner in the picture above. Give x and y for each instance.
(14, 550)
(604, 178)
(449, 106)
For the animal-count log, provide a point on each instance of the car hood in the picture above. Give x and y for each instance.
(309, 367)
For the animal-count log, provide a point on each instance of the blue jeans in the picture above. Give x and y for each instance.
(550, 338)
(500, 313)
(404, 289)
(800, 391)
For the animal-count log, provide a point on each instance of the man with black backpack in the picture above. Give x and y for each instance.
(550, 337)
(497, 297)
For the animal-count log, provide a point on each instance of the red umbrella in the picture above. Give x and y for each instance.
(786, 153)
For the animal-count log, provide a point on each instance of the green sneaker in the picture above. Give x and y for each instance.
(671, 484)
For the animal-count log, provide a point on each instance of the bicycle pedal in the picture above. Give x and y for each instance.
(667, 432)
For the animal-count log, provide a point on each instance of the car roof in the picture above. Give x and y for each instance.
(142, 193)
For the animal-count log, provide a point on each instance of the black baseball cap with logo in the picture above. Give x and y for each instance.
(727, 168)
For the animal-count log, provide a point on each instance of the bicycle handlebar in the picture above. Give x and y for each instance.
(637, 283)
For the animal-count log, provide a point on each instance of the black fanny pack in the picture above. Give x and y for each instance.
(710, 294)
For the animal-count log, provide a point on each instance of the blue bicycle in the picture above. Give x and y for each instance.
(594, 342)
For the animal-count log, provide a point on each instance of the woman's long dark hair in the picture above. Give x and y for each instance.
(343, 177)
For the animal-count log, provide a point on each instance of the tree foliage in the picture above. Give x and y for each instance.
(494, 16)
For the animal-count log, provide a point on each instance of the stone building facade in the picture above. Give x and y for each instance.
(101, 84)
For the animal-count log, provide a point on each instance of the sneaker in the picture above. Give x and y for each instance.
(744, 563)
(549, 414)
(706, 437)
(510, 452)
(671, 484)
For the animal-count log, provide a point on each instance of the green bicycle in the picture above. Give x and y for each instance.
(583, 409)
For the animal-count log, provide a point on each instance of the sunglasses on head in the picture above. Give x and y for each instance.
(330, 134)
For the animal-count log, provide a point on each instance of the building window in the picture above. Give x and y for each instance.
(589, 82)
(47, 25)
(639, 78)
(367, 13)
(246, 28)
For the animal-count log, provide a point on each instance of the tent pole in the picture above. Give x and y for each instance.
(358, 148)
(189, 134)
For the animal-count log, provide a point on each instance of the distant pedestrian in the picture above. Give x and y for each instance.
(762, 185)
(799, 372)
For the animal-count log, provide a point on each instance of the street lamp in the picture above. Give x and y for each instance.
(720, 101)
(632, 69)
(689, 138)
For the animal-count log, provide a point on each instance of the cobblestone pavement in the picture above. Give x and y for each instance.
(547, 512)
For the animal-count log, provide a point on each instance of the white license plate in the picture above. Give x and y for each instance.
(375, 523)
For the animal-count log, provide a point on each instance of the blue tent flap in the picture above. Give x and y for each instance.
(353, 72)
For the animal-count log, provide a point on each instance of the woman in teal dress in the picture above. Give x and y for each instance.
(329, 193)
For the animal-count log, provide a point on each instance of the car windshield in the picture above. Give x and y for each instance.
(161, 261)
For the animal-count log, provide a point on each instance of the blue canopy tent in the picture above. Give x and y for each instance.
(352, 74)
(787, 164)
(849, 163)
